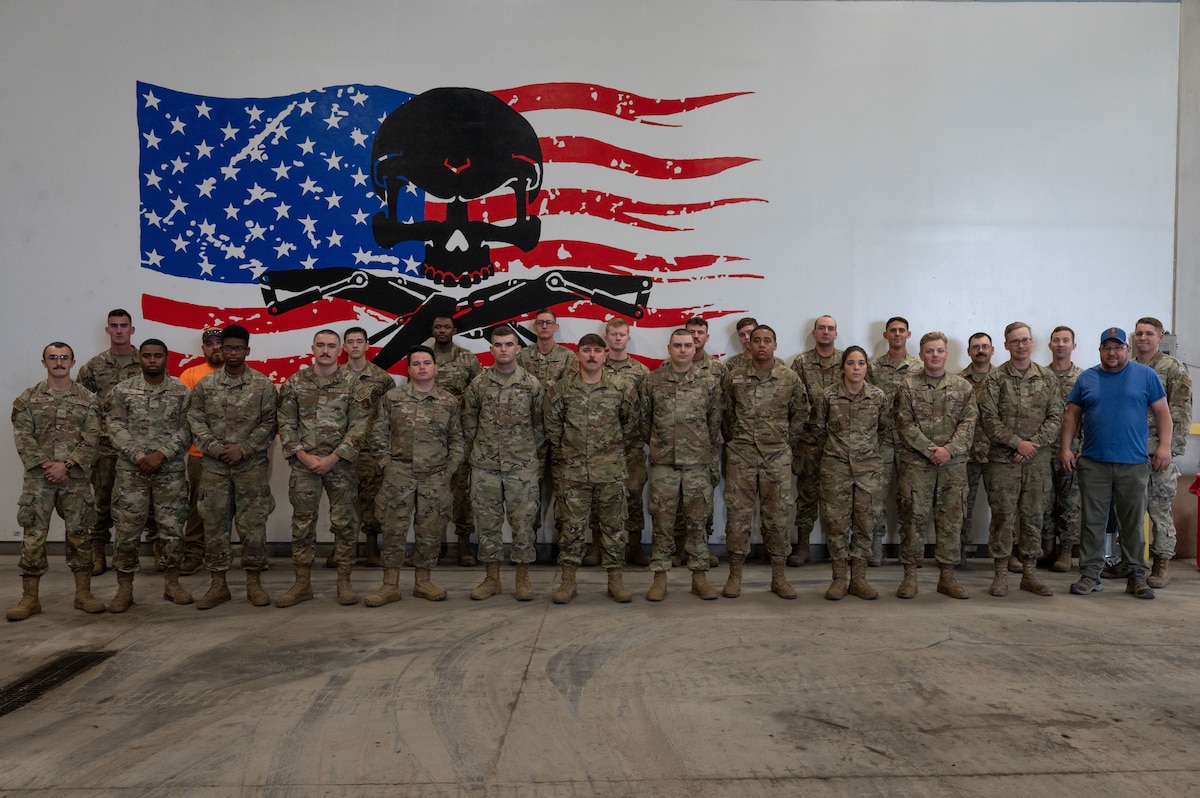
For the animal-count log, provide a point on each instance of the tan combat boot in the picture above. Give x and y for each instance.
(592, 558)
(331, 560)
(345, 591)
(29, 604)
(733, 584)
(634, 553)
(1159, 576)
(218, 592)
(371, 555)
(84, 600)
(254, 589)
(859, 586)
(800, 553)
(947, 585)
(301, 589)
(524, 588)
(1062, 563)
(465, 558)
(388, 592)
(841, 581)
(701, 587)
(172, 590)
(99, 564)
(123, 600)
(490, 586)
(1030, 581)
(658, 588)
(616, 588)
(1014, 562)
(999, 585)
(424, 588)
(779, 584)
(566, 589)
(908, 585)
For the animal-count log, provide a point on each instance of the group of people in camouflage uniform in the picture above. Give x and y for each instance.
(129, 446)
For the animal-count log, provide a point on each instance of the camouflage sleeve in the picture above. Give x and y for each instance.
(714, 415)
(84, 453)
(535, 413)
(358, 422)
(629, 414)
(470, 414)
(118, 426)
(964, 433)
(87, 377)
(988, 411)
(456, 445)
(1179, 391)
(289, 419)
(799, 414)
(906, 422)
(553, 411)
(1048, 430)
(197, 419)
(268, 414)
(887, 421)
(728, 408)
(818, 416)
(380, 444)
(28, 449)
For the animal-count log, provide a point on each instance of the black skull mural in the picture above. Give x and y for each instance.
(457, 145)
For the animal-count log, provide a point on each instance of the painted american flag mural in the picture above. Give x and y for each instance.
(281, 197)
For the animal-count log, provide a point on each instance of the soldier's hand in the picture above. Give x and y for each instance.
(151, 463)
(230, 454)
(323, 465)
(939, 455)
(1068, 460)
(55, 472)
(1025, 452)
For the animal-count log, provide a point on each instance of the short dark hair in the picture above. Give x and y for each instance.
(236, 331)
(697, 321)
(58, 345)
(327, 331)
(900, 319)
(768, 328)
(353, 330)
(979, 335)
(417, 350)
(546, 312)
(850, 350)
(503, 330)
(153, 342)
(1063, 328)
(1153, 322)
(120, 313)
(745, 321)
(591, 339)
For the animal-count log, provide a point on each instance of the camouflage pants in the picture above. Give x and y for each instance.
(239, 495)
(139, 496)
(1061, 519)
(193, 531)
(104, 475)
(460, 491)
(888, 453)
(769, 480)
(926, 491)
(635, 484)
(304, 492)
(974, 475)
(1017, 497)
(38, 502)
(714, 477)
(1160, 495)
(685, 491)
(850, 508)
(422, 499)
(604, 505)
(495, 494)
(370, 478)
(806, 465)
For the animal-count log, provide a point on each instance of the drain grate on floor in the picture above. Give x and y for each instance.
(47, 677)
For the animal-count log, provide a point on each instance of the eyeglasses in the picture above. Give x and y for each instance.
(233, 350)
(1113, 348)
(58, 358)
(1019, 342)
(545, 323)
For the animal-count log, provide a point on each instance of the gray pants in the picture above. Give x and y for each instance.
(1124, 486)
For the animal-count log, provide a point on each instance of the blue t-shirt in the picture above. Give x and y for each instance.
(1115, 429)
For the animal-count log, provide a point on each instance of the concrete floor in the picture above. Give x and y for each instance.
(1093, 696)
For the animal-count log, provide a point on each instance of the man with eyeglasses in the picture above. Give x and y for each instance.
(100, 375)
(1021, 412)
(193, 535)
(980, 350)
(55, 426)
(1110, 401)
(232, 414)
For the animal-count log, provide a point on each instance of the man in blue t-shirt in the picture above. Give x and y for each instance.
(1111, 400)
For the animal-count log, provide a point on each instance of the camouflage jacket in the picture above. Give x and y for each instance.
(502, 420)
(376, 382)
(547, 369)
(707, 362)
(237, 410)
(934, 411)
(979, 443)
(634, 373)
(421, 430)
(887, 376)
(324, 415)
(817, 373)
(1066, 381)
(456, 369)
(762, 412)
(681, 416)
(587, 427)
(56, 425)
(1015, 407)
(149, 418)
(100, 375)
(1178, 385)
(853, 426)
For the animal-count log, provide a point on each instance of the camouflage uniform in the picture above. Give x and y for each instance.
(193, 531)
(1015, 407)
(976, 460)
(1160, 493)
(852, 487)
(887, 376)
(762, 416)
(322, 416)
(419, 441)
(932, 411)
(682, 421)
(587, 427)
(58, 426)
(376, 382)
(817, 373)
(456, 369)
(709, 364)
(144, 419)
(546, 369)
(634, 373)
(502, 425)
(100, 375)
(1061, 519)
(238, 410)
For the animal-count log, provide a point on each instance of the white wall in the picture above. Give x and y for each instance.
(962, 164)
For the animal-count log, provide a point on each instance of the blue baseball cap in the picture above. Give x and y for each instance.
(1114, 334)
